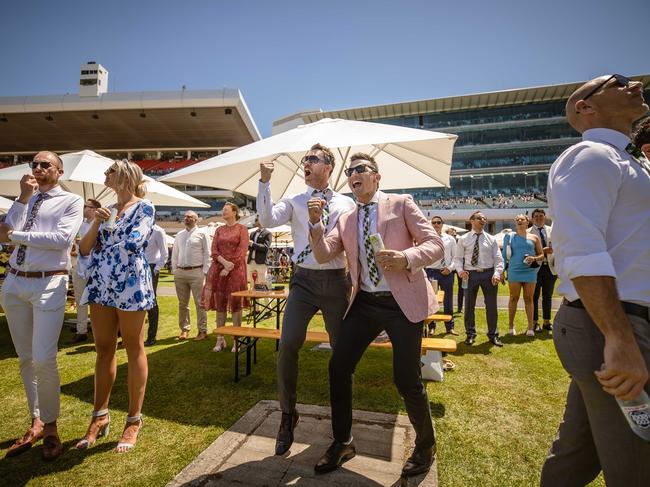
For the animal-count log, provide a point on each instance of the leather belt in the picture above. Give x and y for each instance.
(36, 274)
(379, 294)
(189, 268)
(490, 269)
(629, 308)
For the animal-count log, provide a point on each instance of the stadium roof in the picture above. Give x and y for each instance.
(178, 120)
(448, 104)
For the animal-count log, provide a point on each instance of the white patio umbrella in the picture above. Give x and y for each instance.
(407, 158)
(83, 174)
(281, 234)
(5, 204)
(458, 229)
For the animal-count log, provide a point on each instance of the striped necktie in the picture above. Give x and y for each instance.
(20, 255)
(474, 260)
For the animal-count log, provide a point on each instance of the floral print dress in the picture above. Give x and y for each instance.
(117, 270)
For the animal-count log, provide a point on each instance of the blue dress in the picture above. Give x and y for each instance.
(117, 271)
(517, 270)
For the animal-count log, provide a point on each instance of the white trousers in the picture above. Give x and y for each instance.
(79, 284)
(34, 308)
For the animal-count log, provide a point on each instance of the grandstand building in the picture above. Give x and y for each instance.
(507, 141)
(161, 131)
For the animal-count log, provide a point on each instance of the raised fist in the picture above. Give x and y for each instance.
(266, 169)
(315, 209)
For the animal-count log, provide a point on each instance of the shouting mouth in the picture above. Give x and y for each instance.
(356, 184)
(307, 173)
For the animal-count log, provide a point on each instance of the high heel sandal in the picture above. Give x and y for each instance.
(125, 444)
(220, 345)
(85, 443)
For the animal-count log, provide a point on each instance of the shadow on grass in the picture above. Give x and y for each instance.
(29, 465)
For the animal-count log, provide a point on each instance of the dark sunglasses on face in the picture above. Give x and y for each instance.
(43, 164)
(437, 222)
(620, 81)
(312, 160)
(359, 169)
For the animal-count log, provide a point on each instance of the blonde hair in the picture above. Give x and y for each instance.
(128, 175)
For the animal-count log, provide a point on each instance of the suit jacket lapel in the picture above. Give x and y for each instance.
(383, 212)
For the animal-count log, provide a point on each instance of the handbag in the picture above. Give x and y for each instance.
(432, 366)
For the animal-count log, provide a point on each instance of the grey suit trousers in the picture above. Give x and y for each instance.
(594, 434)
(326, 290)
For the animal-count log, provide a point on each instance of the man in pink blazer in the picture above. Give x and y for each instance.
(389, 292)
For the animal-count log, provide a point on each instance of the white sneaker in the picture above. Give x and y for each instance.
(512, 331)
(530, 333)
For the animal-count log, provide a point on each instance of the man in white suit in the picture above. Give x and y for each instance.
(546, 276)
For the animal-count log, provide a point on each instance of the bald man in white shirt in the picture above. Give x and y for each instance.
(42, 224)
(598, 198)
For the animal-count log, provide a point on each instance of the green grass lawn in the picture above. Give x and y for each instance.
(495, 415)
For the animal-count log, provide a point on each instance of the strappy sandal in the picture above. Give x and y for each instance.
(127, 446)
(85, 443)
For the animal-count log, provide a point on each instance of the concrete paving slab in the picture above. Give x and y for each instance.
(244, 454)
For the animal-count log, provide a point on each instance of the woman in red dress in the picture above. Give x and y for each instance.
(227, 273)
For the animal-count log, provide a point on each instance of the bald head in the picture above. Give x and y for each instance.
(608, 101)
(47, 155)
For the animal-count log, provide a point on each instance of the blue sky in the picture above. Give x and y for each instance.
(287, 56)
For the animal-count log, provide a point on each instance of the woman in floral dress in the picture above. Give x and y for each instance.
(227, 273)
(119, 292)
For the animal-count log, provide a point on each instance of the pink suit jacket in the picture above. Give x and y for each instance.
(402, 226)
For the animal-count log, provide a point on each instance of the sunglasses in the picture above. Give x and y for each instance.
(312, 160)
(437, 222)
(42, 164)
(620, 81)
(110, 170)
(359, 169)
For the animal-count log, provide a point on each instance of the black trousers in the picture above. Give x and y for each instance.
(545, 284)
(481, 280)
(152, 313)
(368, 316)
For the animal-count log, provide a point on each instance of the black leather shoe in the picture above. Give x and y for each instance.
(537, 328)
(79, 338)
(547, 326)
(284, 440)
(470, 340)
(419, 462)
(496, 342)
(150, 342)
(336, 455)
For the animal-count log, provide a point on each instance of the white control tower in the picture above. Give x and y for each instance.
(93, 80)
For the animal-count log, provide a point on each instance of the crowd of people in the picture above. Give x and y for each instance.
(361, 262)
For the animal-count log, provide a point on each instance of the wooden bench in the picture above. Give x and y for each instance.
(246, 337)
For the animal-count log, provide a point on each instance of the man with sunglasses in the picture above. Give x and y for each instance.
(479, 261)
(313, 286)
(443, 271)
(42, 224)
(598, 198)
(390, 293)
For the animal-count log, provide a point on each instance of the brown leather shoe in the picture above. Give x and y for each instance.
(183, 335)
(25, 443)
(201, 336)
(52, 448)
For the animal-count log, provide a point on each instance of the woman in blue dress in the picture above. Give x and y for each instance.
(119, 292)
(522, 251)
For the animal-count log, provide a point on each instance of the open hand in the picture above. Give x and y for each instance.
(624, 372)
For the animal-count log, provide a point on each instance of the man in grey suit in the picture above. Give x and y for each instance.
(546, 275)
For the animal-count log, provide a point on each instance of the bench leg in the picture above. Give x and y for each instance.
(236, 362)
(248, 355)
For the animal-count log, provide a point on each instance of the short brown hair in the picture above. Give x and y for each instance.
(94, 203)
(538, 210)
(235, 208)
(329, 155)
(642, 135)
(438, 217)
(365, 157)
(473, 215)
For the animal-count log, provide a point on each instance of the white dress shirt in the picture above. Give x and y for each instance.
(449, 243)
(293, 210)
(191, 249)
(489, 254)
(599, 199)
(156, 251)
(366, 282)
(51, 237)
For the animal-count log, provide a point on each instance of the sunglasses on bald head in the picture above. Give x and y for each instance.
(620, 81)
